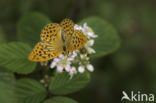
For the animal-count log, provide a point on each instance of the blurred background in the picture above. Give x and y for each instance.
(131, 68)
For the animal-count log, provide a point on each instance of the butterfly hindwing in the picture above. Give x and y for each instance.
(50, 32)
(77, 41)
(44, 51)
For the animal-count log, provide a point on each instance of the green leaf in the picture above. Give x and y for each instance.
(107, 41)
(61, 83)
(7, 84)
(6, 76)
(29, 91)
(60, 99)
(14, 57)
(30, 26)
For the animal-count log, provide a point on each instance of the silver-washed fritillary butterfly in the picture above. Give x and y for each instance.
(57, 39)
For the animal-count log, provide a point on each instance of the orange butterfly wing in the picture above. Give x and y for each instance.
(50, 46)
(68, 27)
(44, 51)
(50, 32)
(77, 41)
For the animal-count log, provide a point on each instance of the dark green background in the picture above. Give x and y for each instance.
(131, 68)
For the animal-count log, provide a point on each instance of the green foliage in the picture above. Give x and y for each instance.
(29, 91)
(61, 83)
(147, 17)
(7, 84)
(25, 6)
(14, 56)
(6, 76)
(60, 99)
(30, 26)
(2, 36)
(107, 40)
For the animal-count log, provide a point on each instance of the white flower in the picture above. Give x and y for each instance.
(84, 29)
(67, 68)
(45, 80)
(42, 81)
(72, 72)
(56, 59)
(59, 68)
(77, 27)
(61, 62)
(61, 56)
(91, 42)
(90, 67)
(90, 50)
(81, 69)
(53, 64)
(91, 34)
(83, 56)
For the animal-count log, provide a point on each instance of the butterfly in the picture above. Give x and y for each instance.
(57, 39)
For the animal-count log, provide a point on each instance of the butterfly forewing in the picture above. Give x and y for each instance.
(77, 41)
(44, 51)
(50, 32)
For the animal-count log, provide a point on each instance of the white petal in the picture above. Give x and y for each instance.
(74, 54)
(61, 56)
(56, 59)
(94, 36)
(85, 25)
(73, 69)
(90, 67)
(91, 50)
(72, 72)
(70, 58)
(81, 69)
(91, 34)
(53, 64)
(67, 68)
(87, 58)
(84, 29)
(91, 42)
(70, 53)
(83, 56)
(42, 81)
(59, 68)
(77, 27)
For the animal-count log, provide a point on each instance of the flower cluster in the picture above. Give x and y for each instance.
(76, 58)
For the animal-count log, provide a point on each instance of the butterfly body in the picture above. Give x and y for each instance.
(57, 39)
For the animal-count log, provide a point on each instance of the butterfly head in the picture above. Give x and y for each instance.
(64, 48)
